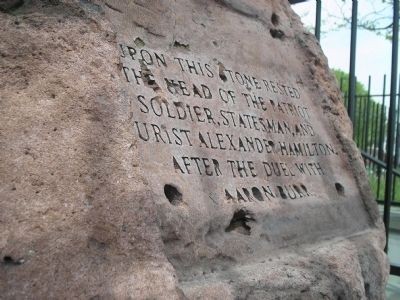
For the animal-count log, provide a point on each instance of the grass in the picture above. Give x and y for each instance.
(378, 186)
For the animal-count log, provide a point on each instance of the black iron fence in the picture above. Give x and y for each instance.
(375, 121)
(371, 135)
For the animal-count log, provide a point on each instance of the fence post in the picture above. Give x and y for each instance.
(396, 156)
(352, 79)
(367, 122)
(318, 20)
(391, 122)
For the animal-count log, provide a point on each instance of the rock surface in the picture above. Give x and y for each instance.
(177, 150)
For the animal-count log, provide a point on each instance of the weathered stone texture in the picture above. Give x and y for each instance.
(85, 212)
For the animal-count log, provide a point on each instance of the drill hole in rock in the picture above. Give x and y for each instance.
(8, 260)
(239, 222)
(172, 193)
(339, 188)
(275, 19)
(277, 33)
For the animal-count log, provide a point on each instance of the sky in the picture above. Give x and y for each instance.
(373, 52)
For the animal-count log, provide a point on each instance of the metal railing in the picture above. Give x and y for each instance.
(375, 121)
(371, 136)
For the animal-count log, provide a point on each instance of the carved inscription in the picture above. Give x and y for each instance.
(225, 124)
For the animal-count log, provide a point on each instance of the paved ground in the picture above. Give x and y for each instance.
(393, 287)
(394, 236)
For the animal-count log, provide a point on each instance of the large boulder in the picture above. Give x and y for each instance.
(167, 149)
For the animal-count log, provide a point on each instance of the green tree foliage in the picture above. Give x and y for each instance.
(368, 124)
(343, 79)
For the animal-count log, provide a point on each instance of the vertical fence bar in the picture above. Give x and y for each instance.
(397, 145)
(391, 120)
(374, 134)
(381, 134)
(318, 21)
(358, 119)
(397, 155)
(376, 140)
(352, 79)
(376, 129)
(367, 123)
(341, 85)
